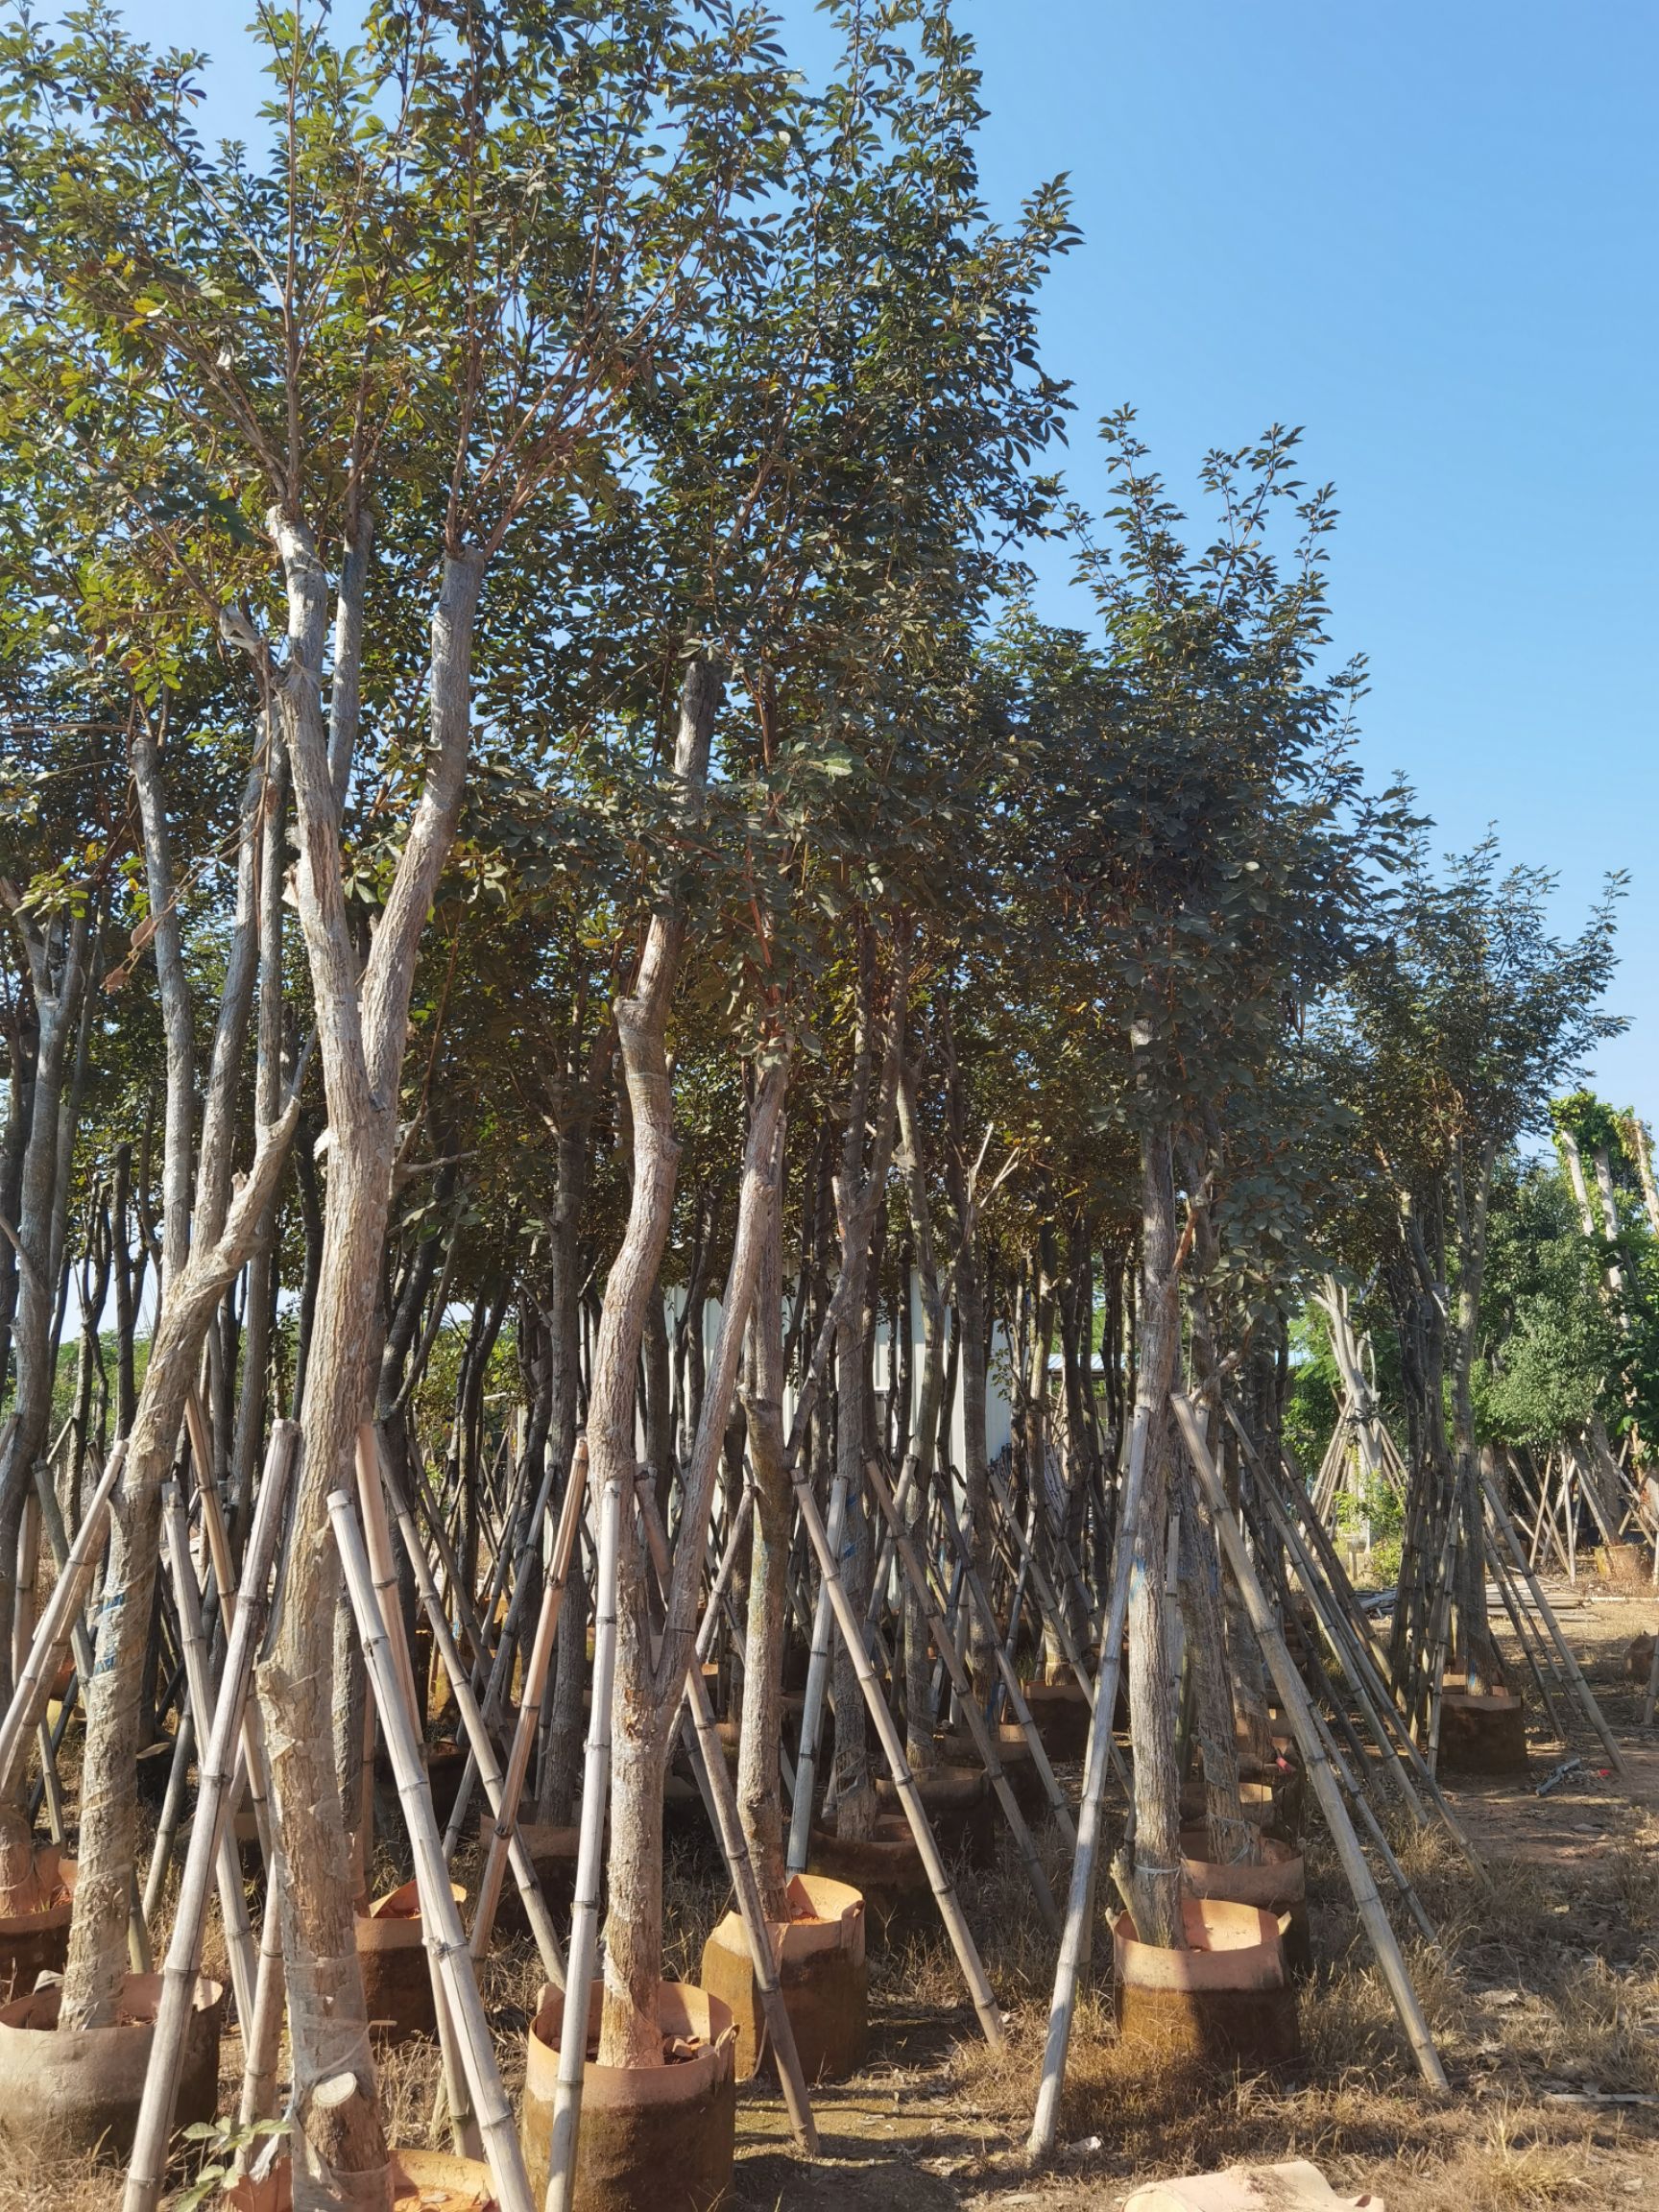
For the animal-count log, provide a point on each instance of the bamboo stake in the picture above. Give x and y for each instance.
(729, 1826)
(213, 1800)
(817, 1684)
(1294, 1696)
(232, 1897)
(506, 1845)
(1074, 1941)
(60, 1617)
(903, 1781)
(262, 2039)
(447, 1940)
(978, 1596)
(946, 1645)
(590, 1855)
(1541, 1603)
(1365, 1657)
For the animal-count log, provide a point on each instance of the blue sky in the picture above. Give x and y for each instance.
(1424, 233)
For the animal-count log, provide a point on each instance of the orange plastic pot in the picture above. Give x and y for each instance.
(1225, 1998)
(70, 2091)
(37, 1941)
(824, 1979)
(397, 1973)
(653, 2138)
(1275, 1883)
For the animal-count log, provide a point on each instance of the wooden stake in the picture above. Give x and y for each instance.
(1294, 1696)
(214, 1798)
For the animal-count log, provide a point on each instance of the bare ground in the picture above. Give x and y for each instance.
(1544, 2004)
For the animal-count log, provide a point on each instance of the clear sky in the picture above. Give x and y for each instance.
(1425, 234)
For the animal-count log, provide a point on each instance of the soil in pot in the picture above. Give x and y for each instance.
(824, 1979)
(35, 1929)
(1226, 1998)
(396, 1974)
(1482, 1735)
(1276, 1882)
(886, 1871)
(960, 1810)
(652, 2138)
(65, 2094)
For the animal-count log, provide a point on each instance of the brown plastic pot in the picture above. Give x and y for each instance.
(1060, 1714)
(824, 1979)
(1226, 1998)
(1484, 1735)
(960, 1811)
(653, 2138)
(37, 1941)
(1277, 1884)
(886, 1871)
(396, 1974)
(67, 2092)
(422, 2181)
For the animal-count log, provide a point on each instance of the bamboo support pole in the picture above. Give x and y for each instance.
(903, 1781)
(1365, 1660)
(983, 1742)
(496, 1788)
(1052, 1611)
(147, 2170)
(232, 1896)
(1541, 1605)
(817, 1687)
(589, 1857)
(1074, 1941)
(729, 1827)
(262, 2040)
(55, 1629)
(978, 1596)
(446, 1938)
(1295, 1698)
(505, 1843)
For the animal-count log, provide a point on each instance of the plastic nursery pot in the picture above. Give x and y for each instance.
(960, 1810)
(397, 1973)
(822, 1967)
(1482, 1735)
(67, 2092)
(886, 1871)
(1226, 1998)
(422, 2181)
(34, 1938)
(652, 2138)
(1275, 1883)
(1061, 1713)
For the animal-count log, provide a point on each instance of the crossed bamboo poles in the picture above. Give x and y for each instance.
(231, 1760)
